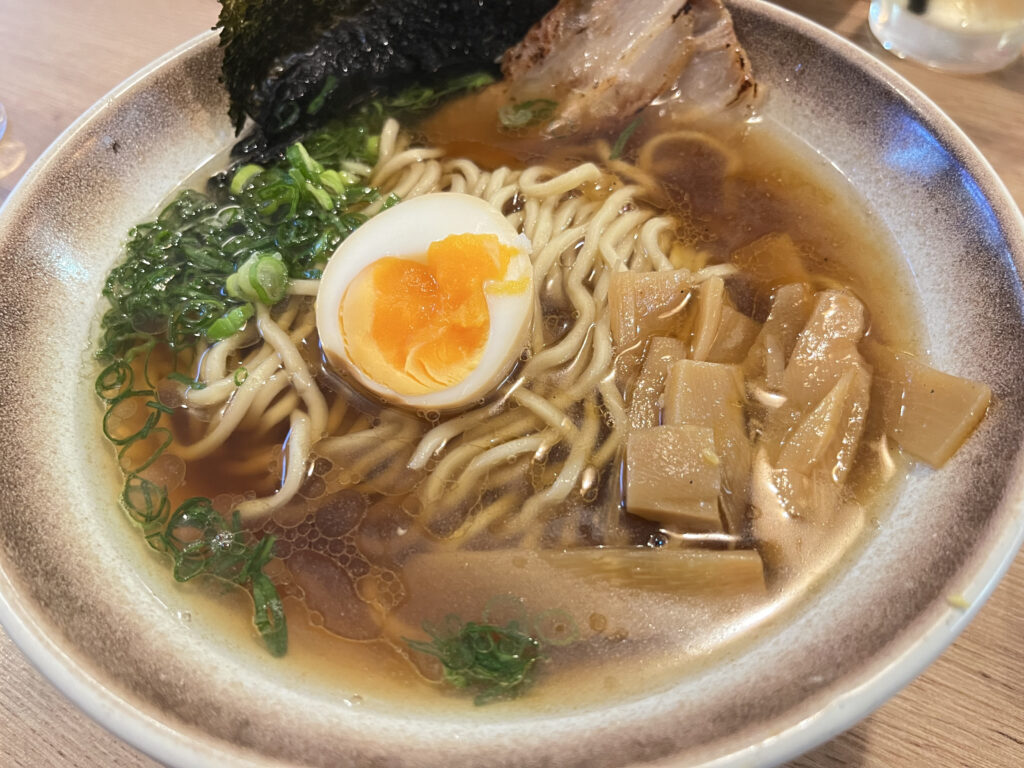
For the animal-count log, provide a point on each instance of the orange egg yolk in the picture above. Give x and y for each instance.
(419, 325)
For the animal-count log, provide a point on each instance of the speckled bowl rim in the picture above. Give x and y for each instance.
(870, 691)
(113, 712)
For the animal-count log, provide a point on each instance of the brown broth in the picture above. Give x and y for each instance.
(333, 570)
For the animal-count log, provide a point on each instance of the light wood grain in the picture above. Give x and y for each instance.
(57, 57)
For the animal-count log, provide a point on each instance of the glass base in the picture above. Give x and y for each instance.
(943, 40)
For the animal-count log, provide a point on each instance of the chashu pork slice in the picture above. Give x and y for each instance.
(603, 61)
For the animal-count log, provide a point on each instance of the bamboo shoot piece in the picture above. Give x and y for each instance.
(645, 402)
(827, 438)
(772, 260)
(639, 593)
(667, 569)
(802, 523)
(673, 477)
(928, 413)
(811, 497)
(643, 304)
(647, 396)
(734, 337)
(673, 570)
(710, 300)
(767, 358)
(711, 395)
(825, 348)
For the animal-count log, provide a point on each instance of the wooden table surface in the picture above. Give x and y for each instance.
(57, 57)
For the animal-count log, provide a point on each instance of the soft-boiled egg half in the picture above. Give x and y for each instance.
(428, 304)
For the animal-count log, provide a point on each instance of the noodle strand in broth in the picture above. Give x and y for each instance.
(365, 502)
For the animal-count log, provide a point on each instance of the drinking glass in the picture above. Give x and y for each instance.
(966, 36)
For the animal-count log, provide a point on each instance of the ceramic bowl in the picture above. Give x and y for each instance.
(104, 622)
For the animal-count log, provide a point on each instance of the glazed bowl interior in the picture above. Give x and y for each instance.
(98, 614)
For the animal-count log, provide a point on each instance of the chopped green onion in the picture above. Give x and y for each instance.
(413, 97)
(268, 613)
(526, 113)
(158, 406)
(230, 324)
(417, 98)
(202, 543)
(241, 374)
(127, 463)
(299, 157)
(496, 660)
(620, 143)
(243, 176)
(169, 292)
(263, 278)
(330, 83)
(269, 278)
(334, 182)
(471, 82)
(145, 501)
(183, 379)
(321, 197)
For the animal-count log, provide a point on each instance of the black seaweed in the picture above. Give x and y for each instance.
(330, 56)
(253, 33)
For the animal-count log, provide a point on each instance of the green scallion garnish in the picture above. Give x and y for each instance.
(621, 141)
(526, 113)
(258, 226)
(494, 660)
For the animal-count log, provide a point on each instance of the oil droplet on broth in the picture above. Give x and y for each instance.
(373, 586)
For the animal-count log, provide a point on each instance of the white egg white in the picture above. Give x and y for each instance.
(406, 231)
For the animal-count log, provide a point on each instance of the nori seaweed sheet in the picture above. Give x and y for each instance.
(374, 47)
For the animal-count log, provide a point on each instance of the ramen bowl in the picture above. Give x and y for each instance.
(148, 659)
